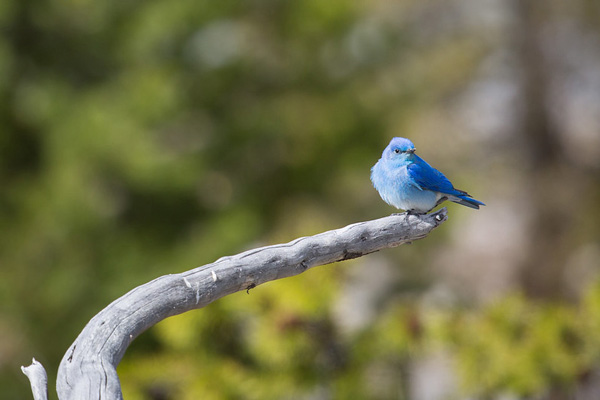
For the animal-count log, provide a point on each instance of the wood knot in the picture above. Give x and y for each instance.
(250, 286)
(349, 255)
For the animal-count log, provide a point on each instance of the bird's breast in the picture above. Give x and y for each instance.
(397, 188)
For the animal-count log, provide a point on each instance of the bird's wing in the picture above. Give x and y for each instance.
(429, 178)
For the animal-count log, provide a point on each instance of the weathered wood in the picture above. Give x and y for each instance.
(88, 369)
(38, 379)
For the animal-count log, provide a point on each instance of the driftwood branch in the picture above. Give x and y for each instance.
(38, 379)
(88, 369)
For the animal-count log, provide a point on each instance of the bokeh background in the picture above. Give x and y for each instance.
(142, 138)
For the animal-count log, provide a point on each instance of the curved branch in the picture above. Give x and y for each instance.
(88, 369)
(38, 379)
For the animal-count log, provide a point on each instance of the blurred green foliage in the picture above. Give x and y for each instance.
(141, 138)
(523, 348)
(279, 345)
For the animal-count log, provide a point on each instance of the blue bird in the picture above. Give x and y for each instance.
(404, 180)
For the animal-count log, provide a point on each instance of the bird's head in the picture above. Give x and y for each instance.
(399, 149)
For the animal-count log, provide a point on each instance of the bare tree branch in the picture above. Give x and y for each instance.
(88, 369)
(38, 379)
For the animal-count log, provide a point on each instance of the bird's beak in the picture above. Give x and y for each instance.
(411, 151)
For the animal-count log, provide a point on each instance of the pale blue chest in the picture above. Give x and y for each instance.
(398, 189)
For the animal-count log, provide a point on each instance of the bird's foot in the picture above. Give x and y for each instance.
(417, 213)
(409, 212)
(440, 201)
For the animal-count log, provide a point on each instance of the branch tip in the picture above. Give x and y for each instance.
(37, 378)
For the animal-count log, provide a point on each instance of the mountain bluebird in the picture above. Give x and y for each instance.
(404, 180)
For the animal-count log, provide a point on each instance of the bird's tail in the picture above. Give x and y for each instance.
(467, 201)
(463, 198)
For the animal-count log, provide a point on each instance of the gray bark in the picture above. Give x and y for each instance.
(38, 379)
(88, 369)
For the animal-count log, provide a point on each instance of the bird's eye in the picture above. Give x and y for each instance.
(397, 151)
